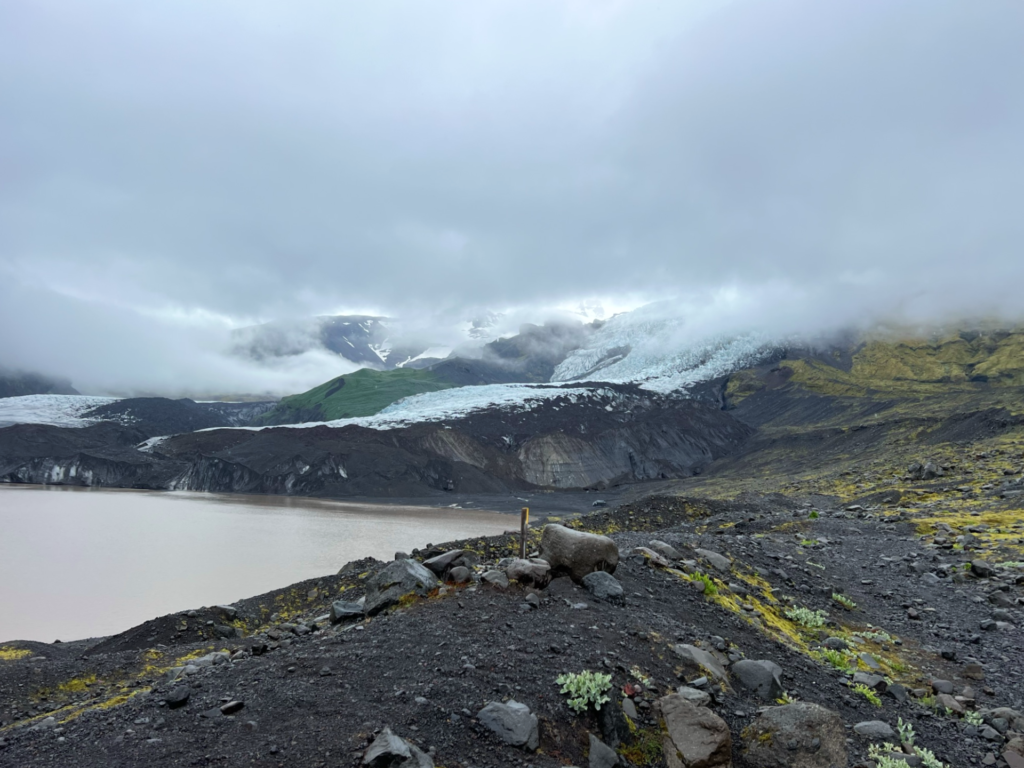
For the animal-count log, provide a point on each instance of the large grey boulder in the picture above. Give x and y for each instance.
(666, 550)
(695, 737)
(799, 735)
(697, 662)
(762, 678)
(512, 722)
(391, 751)
(604, 586)
(536, 573)
(343, 610)
(576, 553)
(398, 579)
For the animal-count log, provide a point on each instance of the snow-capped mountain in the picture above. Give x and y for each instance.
(363, 339)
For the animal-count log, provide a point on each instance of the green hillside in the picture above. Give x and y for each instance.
(362, 393)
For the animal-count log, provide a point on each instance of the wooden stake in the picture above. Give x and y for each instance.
(524, 522)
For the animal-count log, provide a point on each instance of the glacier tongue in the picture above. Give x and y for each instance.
(58, 410)
(654, 349)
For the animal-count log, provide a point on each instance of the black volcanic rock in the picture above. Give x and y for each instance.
(616, 434)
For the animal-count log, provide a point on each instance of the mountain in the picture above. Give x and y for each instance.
(357, 338)
(20, 383)
(529, 356)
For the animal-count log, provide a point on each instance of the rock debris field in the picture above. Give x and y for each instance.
(762, 631)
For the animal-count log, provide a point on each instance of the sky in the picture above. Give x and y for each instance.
(170, 171)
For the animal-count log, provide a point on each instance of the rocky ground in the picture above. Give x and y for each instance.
(707, 586)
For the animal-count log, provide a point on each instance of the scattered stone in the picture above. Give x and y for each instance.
(718, 561)
(495, 579)
(799, 735)
(942, 686)
(629, 709)
(697, 661)
(391, 751)
(232, 707)
(695, 736)
(460, 574)
(442, 563)
(836, 643)
(876, 730)
(982, 569)
(604, 586)
(178, 696)
(601, 755)
(577, 553)
(342, 610)
(946, 701)
(536, 573)
(229, 612)
(512, 722)
(876, 682)
(666, 550)
(396, 580)
(763, 678)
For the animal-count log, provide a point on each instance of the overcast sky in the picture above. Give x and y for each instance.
(169, 170)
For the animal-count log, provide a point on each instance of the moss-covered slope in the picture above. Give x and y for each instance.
(362, 393)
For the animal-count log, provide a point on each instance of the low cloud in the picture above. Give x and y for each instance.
(169, 172)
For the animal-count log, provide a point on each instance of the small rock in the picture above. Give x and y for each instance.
(629, 709)
(396, 580)
(512, 722)
(698, 661)
(342, 610)
(718, 561)
(178, 696)
(391, 751)
(232, 707)
(942, 686)
(763, 678)
(601, 755)
(604, 586)
(876, 730)
(495, 579)
(460, 574)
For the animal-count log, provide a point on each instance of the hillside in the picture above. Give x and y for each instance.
(362, 393)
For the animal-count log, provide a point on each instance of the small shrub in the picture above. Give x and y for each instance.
(868, 694)
(806, 617)
(974, 717)
(814, 514)
(709, 583)
(585, 689)
(906, 732)
(837, 658)
(844, 601)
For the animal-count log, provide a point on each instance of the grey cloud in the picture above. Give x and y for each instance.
(432, 161)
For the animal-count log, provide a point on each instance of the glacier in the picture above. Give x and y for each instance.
(56, 410)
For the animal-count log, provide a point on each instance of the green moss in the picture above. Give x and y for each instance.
(362, 393)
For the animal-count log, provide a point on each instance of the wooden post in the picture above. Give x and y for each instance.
(524, 522)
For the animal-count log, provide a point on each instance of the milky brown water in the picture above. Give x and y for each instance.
(83, 562)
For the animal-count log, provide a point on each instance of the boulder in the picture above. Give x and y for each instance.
(443, 563)
(601, 755)
(982, 569)
(762, 678)
(342, 610)
(512, 722)
(534, 573)
(666, 550)
(652, 557)
(460, 574)
(495, 579)
(718, 562)
(396, 580)
(799, 735)
(577, 553)
(391, 751)
(695, 737)
(696, 662)
(604, 586)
